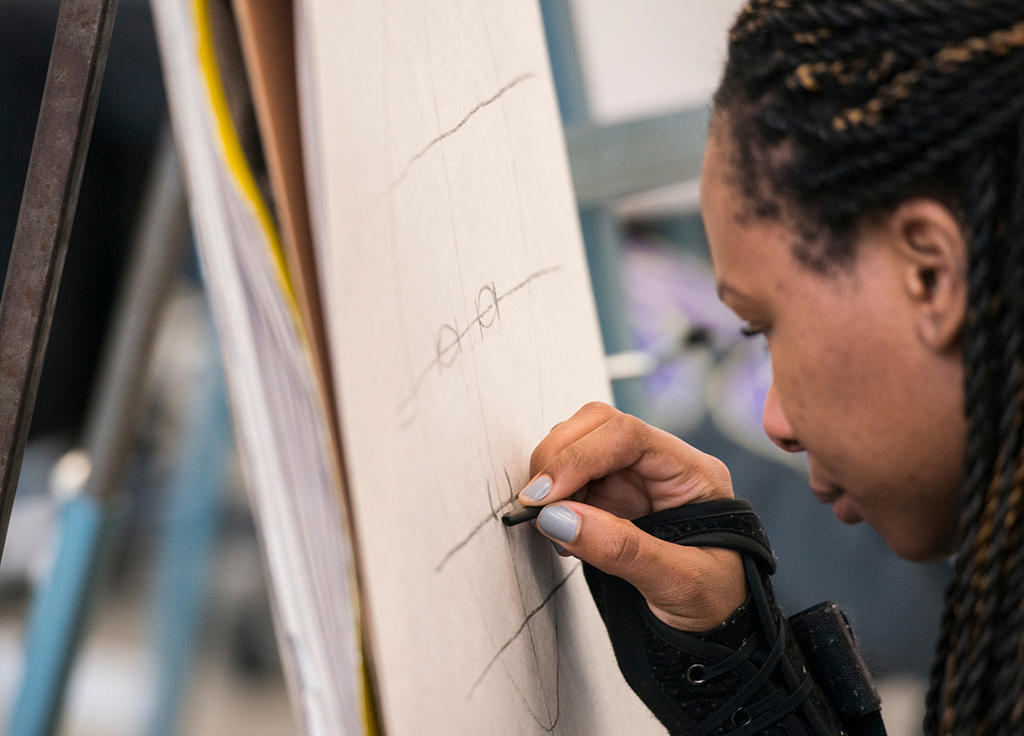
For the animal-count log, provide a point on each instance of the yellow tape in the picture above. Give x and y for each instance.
(235, 159)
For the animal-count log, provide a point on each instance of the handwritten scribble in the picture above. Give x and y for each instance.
(479, 527)
(448, 344)
(403, 175)
(495, 515)
(449, 338)
(522, 627)
(487, 310)
(550, 723)
(511, 492)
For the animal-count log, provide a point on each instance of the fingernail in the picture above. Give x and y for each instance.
(538, 489)
(559, 522)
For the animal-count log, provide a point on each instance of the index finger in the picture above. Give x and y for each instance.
(670, 472)
(586, 419)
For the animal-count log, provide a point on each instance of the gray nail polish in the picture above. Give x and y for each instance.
(559, 522)
(538, 489)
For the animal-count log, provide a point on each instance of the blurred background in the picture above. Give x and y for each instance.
(634, 81)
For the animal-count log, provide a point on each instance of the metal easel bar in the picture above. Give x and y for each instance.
(610, 162)
(66, 115)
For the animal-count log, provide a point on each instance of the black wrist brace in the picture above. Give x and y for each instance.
(749, 675)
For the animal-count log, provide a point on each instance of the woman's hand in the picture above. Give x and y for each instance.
(616, 468)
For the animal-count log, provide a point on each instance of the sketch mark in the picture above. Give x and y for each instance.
(499, 502)
(548, 727)
(542, 680)
(408, 420)
(531, 635)
(558, 681)
(529, 279)
(487, 310)
(448, 341)
(462, 543)
(448, 344)
(511, 492)
(394, 183)
(522, 627)
(480, 525)
(494, 501)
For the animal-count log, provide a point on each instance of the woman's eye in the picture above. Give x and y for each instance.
(749, 330)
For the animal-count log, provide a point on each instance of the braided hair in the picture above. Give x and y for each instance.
(842, 109)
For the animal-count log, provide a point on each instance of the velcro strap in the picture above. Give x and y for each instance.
(730, 523)
(824, 635)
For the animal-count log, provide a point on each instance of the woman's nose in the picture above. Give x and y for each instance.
(776, 426)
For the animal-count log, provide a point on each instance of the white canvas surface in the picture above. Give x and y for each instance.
(461, 328)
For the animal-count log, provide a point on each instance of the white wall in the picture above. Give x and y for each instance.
(646, 56)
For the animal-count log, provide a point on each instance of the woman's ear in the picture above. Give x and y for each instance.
(933, 254)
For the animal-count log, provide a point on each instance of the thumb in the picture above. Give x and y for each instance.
(689, 588)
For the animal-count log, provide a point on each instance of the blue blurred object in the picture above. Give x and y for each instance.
(57, 617)
(189, 522)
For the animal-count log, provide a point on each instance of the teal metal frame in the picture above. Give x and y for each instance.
(609, 162)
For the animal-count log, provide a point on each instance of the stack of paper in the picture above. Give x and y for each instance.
(280, 416)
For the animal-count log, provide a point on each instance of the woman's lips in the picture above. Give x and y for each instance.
(841, 505)
(826, 495)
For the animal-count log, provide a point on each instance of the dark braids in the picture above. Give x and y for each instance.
(845, 108)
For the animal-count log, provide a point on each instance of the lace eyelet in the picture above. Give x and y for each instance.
(696, 674)
(740, 718)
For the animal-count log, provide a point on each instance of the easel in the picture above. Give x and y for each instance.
(54, 177)
(33, 277)
(61, 607)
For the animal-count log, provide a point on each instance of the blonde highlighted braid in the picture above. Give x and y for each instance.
(841, 109)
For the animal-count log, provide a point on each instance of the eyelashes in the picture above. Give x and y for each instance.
(749, 330)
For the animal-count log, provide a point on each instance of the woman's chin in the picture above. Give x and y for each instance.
(915, 548)
(843, 509)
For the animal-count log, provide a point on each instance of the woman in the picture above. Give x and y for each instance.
(863, 196)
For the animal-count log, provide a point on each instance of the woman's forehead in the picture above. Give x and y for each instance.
(737, 240)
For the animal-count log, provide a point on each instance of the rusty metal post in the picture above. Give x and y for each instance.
(48, 203)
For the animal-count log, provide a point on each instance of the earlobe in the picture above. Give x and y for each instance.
(933, 249)
(942, 308)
